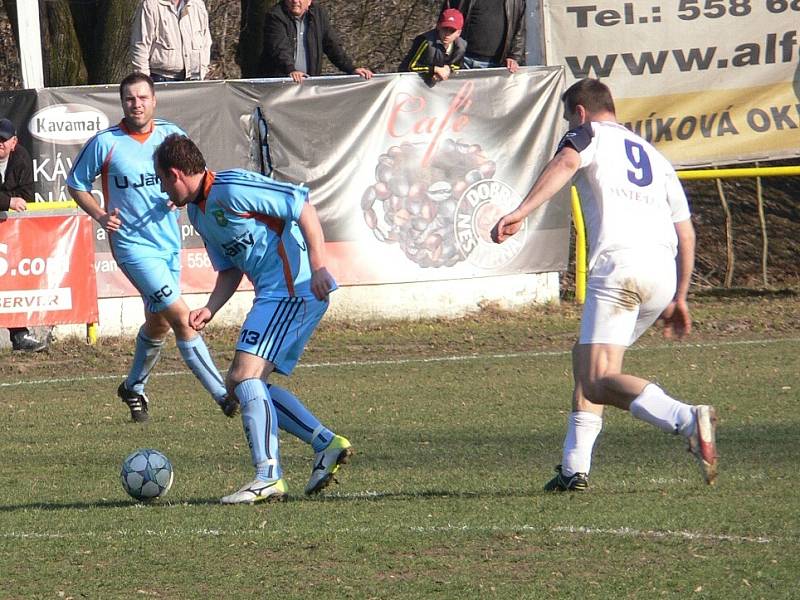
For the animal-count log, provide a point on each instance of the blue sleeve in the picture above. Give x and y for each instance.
(265, 196)
(87, 166)
(578, 138)
(170, 127)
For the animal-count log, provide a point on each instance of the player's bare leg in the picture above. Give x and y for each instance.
(584, 423)
(599, 381)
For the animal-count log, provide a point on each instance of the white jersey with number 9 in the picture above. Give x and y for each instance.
(630, 195)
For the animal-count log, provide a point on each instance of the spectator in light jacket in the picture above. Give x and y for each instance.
(170, 40)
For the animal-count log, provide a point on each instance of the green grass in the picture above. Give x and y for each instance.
(443, 498)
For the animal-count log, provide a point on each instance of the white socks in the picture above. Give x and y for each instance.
(582, 431)
(657, 408)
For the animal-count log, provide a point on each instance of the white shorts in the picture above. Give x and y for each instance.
(278, 329)
(625, 293)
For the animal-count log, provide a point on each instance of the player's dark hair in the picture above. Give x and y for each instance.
(179, 152)
(592, 94)
(136, 77)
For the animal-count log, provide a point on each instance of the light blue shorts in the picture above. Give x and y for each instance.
(157, 278)
(278, 329)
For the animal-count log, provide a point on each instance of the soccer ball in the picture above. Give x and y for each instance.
(146, 474)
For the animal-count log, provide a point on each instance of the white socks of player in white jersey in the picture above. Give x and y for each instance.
(582, 431)
(652, 406)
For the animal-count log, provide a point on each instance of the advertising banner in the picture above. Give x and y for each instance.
(407, 178)
(707, 81)
(45, 277)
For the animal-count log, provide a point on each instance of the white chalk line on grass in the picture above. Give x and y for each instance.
(420, 360)
(650, 533)
(628, 532)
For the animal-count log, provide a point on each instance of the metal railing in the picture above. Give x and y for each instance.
(689, 175)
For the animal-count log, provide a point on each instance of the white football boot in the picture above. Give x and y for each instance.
(258, 491)
(703, 443)
(326, 463)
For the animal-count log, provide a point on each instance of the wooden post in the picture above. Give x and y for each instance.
(728, 234)
(763, 222)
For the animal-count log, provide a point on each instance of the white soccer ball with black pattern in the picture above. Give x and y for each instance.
(146, 474)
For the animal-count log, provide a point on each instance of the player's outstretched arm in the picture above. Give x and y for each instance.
(556, 174)
(225, 286)
(321, 280)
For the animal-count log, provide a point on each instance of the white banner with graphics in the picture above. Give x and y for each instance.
(408, 179)
(707, 81)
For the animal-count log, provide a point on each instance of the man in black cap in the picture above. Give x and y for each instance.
(16, 190)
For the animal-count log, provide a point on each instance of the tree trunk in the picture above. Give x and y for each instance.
(61, 50)
(111, 61)
(83, 41)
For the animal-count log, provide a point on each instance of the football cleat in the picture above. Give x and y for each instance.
(27, 343)
(703, 442)
(258, 491)
(326, 463)
(137, 403)
(577, 482)
(229, 406)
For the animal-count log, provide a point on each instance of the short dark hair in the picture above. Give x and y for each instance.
(179, 152)
(592, 94)
(136, 77)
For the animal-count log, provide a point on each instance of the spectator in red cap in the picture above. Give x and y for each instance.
(16, 190)
(438, 52)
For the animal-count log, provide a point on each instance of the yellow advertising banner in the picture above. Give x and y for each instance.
(707, 81)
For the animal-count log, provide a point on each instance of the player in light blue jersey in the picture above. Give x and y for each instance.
(144, 237)
(255, 226)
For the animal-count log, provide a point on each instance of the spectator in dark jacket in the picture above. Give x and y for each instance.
(494, 31)
(16, 190)
(438, 52)
(296, 35)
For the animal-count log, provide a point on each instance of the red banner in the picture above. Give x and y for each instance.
(46, 271)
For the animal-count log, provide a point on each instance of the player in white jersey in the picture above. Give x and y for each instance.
(641, 257)
(144, 238)
(266, 230)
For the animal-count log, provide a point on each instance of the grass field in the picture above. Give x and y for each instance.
(456, 426)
